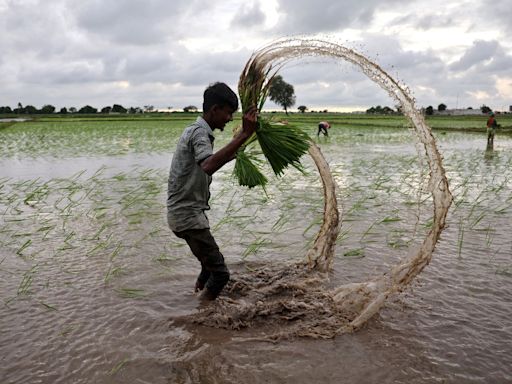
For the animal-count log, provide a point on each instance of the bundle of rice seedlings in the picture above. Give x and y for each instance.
(247, 172)
(281, 145)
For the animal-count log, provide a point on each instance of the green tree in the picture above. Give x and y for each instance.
(5, 109)
(190, 108)
(30, 110)
(106, 109)
(282, 93)
(485, 109)
(380, 110)
(429, 110)
(116, 108)
(87, 109)
(441, 107)
(302, 108)
(48, 109)
(63, 111)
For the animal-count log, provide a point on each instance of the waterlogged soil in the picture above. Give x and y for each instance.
(92, 280)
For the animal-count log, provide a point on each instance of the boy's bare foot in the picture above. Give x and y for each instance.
(199, 286)
(207, 296)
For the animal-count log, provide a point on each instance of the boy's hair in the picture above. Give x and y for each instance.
(220, 94)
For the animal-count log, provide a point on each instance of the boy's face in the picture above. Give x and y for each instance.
(221, 116)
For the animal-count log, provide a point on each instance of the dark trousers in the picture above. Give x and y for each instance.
(323, 129)
(214, 272)
(490, 139)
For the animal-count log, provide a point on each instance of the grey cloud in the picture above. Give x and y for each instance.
(342, 93)
(480, 51)
(325, 81)
(76, 52)
(425, 21)
(24, 29)
(103, 63)
(117, 22)
(500, 64)
(409, 66)
(434, 21)
(303, 16)
(424, 73)
(480, 77)
(248, 15)
(72, 73)
(144, 64)
(494, 60)
(496, 12)
(201, 69)
(313, 70)
(135, 22)
(189, 69)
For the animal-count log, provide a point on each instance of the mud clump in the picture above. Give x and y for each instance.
(277, 302)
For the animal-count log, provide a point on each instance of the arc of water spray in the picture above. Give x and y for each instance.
(364, 299)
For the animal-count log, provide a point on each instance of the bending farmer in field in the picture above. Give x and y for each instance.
(323, 126)
(188, 191)
(492, 124)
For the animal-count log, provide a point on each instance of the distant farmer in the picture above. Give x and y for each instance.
(492, 124)
(192, 166)
(323, 126)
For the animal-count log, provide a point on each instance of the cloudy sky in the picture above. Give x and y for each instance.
(164, 53)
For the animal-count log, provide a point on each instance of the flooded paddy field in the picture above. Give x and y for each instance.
(91, 277)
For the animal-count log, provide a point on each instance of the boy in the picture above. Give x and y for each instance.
(188, 190)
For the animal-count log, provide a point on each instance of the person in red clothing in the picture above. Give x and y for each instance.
(492, 124)
(323, 126)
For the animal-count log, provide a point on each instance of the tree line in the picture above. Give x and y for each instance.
(442, 107)
(285, 98)
(280, 92)
(50, 109)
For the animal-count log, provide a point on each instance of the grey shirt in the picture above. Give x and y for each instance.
(188, 188)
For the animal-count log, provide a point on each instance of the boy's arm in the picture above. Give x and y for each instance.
(213, 163)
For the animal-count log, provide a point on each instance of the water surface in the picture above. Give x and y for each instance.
(91, 277)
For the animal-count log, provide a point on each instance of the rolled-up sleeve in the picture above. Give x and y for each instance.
(201, 145)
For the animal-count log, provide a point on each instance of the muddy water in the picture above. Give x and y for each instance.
(91, 277)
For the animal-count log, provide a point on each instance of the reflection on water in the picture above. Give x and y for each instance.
(489, 155)
(45, 168)
(90, 276)
(13, 120)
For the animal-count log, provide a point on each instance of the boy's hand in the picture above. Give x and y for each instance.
(250, 121)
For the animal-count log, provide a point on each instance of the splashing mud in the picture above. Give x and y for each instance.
(298, 295)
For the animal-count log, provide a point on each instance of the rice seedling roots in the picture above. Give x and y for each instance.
(276, 303)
